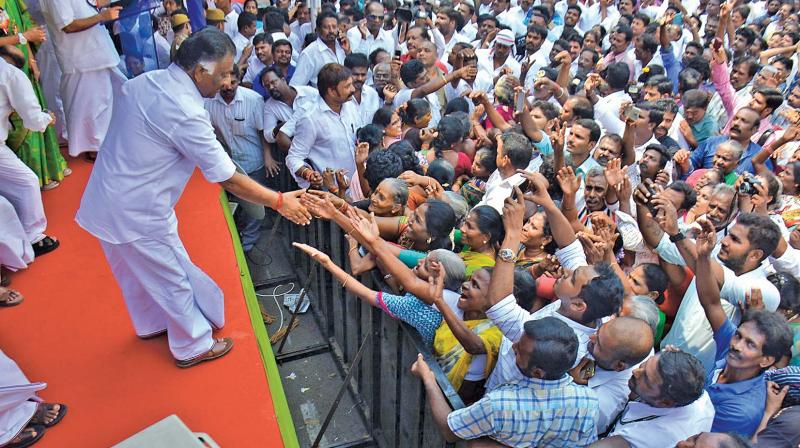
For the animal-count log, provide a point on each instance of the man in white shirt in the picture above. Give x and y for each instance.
(19, 185)
(237, 117)
(420, 85)
(326, 49)
(89, 65)
(246, 29)
(519, 15)
(470, 29)
(606, 109)
(514, 154)
(129, 201)
(447, 20)
(500, 57)
(285, 105)
(231, 26)
(261, 58)
(365, 98)
(502, 10)
(670, 403)
(369, 35)
(325, 138)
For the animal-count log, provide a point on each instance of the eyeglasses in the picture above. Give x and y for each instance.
(374, 17)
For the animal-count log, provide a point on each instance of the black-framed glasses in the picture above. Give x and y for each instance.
(374, 17)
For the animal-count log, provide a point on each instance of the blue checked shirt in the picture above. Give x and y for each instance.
(531, 412)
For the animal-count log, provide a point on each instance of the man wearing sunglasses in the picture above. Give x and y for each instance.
(369, 35)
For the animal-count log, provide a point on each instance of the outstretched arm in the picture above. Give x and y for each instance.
(707, 286)
(350, 283)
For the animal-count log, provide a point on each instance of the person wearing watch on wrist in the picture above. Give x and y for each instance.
(736, 262)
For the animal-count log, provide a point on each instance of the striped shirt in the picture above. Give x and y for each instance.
(531, 412)
(240, 124)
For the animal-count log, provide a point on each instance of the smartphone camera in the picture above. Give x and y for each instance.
(748, 185)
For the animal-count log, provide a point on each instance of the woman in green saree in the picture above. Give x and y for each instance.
(38, 150)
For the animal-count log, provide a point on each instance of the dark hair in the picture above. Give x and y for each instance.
(487, 157)
(543, 11)
(372, 134)
(537, 29)
(695, 98)
(689, 195)
(410, 71)
(373, 57)
(655, 114)
(592, 126)
(354, 60)
(789, 289)
(762, 232)
(443, 172)
(206, 45)
(689, 79)
(549, 109)
(449, 132)
(453, 15)
(667, 105)
(273, 21)
(484, 17)
(617, 75)
(458, 104)
(696, 45)
(772, 97)
(782, 59)
(383, 116)
(575, 7)
(490, 222)
(524, 288)
(777, 334)
(682, 377)
(330, 76)
(518, 149)
(701, 65)
(656, 280)
(382, 165)
(749, 35)
(309, 39)
(660, 82)
(326, 15)
(407, 155)
(602, 295)
(624, 29)
(281, 42)
(246, 19)
(439, 222)
(261, 38)
(555, 347)
(582, 107)
(649, 43)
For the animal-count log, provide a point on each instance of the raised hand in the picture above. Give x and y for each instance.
(662, 178)
(428, 134)
(319, 203)
(569, 182)
(666, 216)
(293, 209)
(754, 300)
(706, 239)
(514, 213)
(389, 92)
(420, 368)
(624, 190)
(615, 173)
(436, 282)
(366, 228)
(775, 397)
(681, 159)
(362, 152)
(537, 187)
(558, 136)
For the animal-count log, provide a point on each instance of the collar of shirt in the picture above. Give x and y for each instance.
(320, 47)
(181, 77)
(538, 383)
(237, 98)
(737, 388)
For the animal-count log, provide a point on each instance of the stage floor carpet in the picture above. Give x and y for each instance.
(73, 332)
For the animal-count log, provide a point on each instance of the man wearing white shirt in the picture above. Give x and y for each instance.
(365, 98)
(261, 59)
(19, 184)
(470, 28)
(129, 201)
(325, 137)
(246, 29)
(520, 15)
(231, 26)
(447, 20)
(368, 37)
(502, 10)
(515, 155)
(89, 65)
(326, 49)
(670, 404)
(500, 57)
(420, 85)
(606, 109)
(646, 53)
(237, 116)
(285, 105)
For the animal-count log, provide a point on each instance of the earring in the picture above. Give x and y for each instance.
(541, 246)
(430, 240)
(484, 242)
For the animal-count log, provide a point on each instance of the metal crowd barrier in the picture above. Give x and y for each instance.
(390, 398)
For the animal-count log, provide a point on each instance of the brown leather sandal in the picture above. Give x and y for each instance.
(220, 348)
(27, 437)
(40, 416)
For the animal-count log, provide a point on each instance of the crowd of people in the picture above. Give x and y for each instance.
(588, 210)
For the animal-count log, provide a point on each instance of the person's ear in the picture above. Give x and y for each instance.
(756, 255)
(537, 373)
(578, 305)
(766, 361)
(653, 295)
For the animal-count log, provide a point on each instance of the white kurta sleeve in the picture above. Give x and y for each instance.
(23, 100)
(304, 71)
(509, 317)
(270, 121)
(194, 138)
(301, 145)
(789, 262)
(62, 12)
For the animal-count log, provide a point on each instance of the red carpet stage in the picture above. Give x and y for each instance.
(73, 333)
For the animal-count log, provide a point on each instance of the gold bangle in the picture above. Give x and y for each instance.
(352, 229)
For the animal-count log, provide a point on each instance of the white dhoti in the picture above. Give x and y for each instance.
(163, 289)
(20, 186)
(15, 248)
(16, 391)
(51, 83)
(88, 99)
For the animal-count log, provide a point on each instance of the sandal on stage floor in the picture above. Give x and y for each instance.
(220, 348)
(46, 245)
(27, 437)
(51, 185)
(40, 416)
(9, 298)
(67, 171)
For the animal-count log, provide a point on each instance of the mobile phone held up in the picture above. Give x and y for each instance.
(632, 113)
(520, 101)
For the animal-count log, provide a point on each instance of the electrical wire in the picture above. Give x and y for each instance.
(274, 296)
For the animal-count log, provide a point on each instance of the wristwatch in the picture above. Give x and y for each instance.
(677, 237)
(22, 39)
(507, 255)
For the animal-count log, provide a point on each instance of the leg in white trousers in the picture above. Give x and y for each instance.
(16, 251)
(15, 392)
(88, 100)
(163, 289)
(20, 186)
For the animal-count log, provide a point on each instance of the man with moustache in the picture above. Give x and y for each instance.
(326, 49)
(284, 106)
(365, 98)
(736, 385)
(261, 59)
